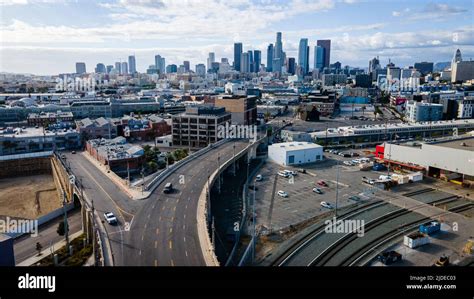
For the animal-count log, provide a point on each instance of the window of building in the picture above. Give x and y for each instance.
(291, 159)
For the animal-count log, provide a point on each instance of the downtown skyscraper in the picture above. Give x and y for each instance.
(238, 48)
(270, 58)
(257, 60)
(303, 56)
(318, 58)
(326, 45)
(132, 64)
(278, 56)
(160, 64)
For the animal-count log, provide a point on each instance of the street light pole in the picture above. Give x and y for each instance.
(337, 187)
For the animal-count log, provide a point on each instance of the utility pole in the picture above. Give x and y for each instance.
(337, 187)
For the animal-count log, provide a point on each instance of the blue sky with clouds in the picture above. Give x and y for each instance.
(49, 36)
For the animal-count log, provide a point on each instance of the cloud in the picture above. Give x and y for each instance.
(430, 11)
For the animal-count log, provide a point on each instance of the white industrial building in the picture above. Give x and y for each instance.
(295, 153)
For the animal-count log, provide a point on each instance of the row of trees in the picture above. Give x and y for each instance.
(154, 160)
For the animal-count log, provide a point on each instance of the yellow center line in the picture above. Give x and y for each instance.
(97, 183)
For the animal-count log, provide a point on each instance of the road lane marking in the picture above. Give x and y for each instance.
(156, 244)
(186, 252)
(105, 192)
(163, 208)
(184, 238)
(156, 263)
(184, 216)
(171, 244)
(172, 218)
(184, 226)
(157, 231)
(149, 215)
(186, 207)
(171, 230)
(143, 237)
(146, 224)
(140, 252)
(159, 219)
(172, 263)
(174, 209)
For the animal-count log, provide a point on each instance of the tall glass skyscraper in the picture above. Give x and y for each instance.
(303, 56)
(132, 65)
(160, 64)
(278, 54)
(270, 58)
(326, 44)
(318, 57)
(244, 63)
(257, 60)
(124, 68)
(237, 56)
(250, 61)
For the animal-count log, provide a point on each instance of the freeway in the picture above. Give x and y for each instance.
(164, 231)
(107, 197)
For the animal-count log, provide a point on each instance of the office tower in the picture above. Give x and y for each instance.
(80, 67)
(118, 68)
(200, 69)
(124, 68)
(244, 63)
(215, 67)
(303, 56)
(318, 58)
(457, 57)
(270, 58)
(250, 61)
(172, 68)
(211, 59)
(100, 68)
(237, 55)
(424, 67)
(278, 54)
(160, 64)
(374, 64)
(224, 60)
(132, 64)
(326, 44)
(257, 60)
(186, 66)
(291, 65)
(109, 68)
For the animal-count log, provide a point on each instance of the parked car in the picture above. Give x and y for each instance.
(317, 190)
(322, 183)
(282, 193)
(291, 172)
(73, 152)
(443, 261)
(259, 178)
(283, 174)
(348, 163)
(110, 218)
(302, 170)
(389, 257)
(353, 154)
(326, 205)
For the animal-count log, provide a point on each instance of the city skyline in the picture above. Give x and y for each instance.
(32, 43)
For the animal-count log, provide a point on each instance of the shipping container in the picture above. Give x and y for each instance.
(430, 228)
(415, 240)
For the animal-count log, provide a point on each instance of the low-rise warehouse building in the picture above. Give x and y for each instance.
(449, 160)
(295, 153)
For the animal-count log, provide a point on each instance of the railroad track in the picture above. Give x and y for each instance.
(379, 241)
(301, 243)
(319, 230)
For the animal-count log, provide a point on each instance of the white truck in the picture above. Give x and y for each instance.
(415, 176)
(416, 239)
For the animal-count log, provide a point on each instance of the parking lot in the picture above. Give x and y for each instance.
(302, 202)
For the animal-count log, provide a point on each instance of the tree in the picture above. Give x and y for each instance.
(61, 229)
(39, 247)
(152, 165)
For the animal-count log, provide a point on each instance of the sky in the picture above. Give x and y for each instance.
(47, 37)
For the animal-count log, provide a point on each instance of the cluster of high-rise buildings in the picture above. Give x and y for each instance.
(249, 61)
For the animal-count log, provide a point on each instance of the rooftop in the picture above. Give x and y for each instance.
(466, 144)
(296, 145)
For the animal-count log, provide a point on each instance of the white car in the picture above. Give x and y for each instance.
(282, 193)
(326, 205)
(259, 178)
(283, 174)
(348, 163)
(317, 190)
(290, 172)
(110, 218)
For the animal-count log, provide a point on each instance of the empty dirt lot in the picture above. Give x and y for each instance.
(28, 197)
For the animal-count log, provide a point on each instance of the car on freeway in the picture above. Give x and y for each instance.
(259, 178)
(282, 193)
(322, 183)
(168, 188)
(283, 174)
(73, 152)
(354, 198)
(110, 218)
(317, 190)
(326, 205)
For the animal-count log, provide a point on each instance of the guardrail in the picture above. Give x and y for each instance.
(162, 175)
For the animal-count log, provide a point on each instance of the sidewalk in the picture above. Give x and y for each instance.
(47, 251)
(133, 193)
